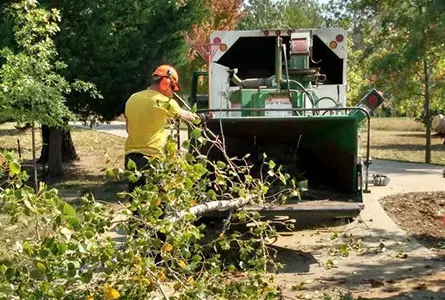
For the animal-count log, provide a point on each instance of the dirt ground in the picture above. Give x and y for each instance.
(345, 262)
(422, 215)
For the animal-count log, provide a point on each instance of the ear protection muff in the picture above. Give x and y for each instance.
(164, 84)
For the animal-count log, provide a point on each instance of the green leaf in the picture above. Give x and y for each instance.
(68, 210)
(75, 223)
(62, 248)
(211, 194)
(59, 291)
(196, 133)
(35, 274)
(10, 274)
(86, 277)
(43, 253)
(14, 168)
(71, 270)
(131, 165)
(196, 257)
(89, 234)
(221, 165)
(194, 108)
(272, 164)
(40, 267)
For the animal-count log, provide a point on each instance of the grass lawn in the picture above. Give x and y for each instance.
(405, 146)
(396, 124)
(82, 176)
(402, 139)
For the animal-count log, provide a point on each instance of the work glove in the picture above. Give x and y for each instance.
(204, 117)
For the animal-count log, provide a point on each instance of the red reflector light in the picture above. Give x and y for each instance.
(339, 38)
(217, 40)
(278, 32)
(266, 32)
(373, 101)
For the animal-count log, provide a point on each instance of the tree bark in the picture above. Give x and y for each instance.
(55, 153)
(44, 152)
(68, 150)
(201, 209)
(427, 112)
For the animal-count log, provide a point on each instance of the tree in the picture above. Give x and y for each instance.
(263, 14)
(269, 14)
(303, 14)
(405, 50)
(116, 45)
(223, 15)
(32, 89)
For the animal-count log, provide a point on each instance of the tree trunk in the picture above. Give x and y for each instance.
(44, 152)
(68, 150)
(427, 112)
(34, 161)
(55, 153)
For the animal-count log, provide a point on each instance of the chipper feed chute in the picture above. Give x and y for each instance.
(294, 111)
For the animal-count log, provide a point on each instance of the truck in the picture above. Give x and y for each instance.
(283, 92)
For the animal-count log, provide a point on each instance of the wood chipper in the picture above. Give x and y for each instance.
(283, 93)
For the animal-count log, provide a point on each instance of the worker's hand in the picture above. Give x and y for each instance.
(204, 117)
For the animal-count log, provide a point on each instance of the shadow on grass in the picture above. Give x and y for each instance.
(420, 135)
(12, 132)
(415, 294)
(96, 185)
(408, 147)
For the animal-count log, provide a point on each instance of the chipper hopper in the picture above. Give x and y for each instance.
(282, 92)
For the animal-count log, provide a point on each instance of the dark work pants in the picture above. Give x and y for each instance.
(141, 164)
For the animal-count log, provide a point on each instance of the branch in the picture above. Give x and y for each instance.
(223, 205)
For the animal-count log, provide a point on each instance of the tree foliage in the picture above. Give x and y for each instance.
(31, 87)
(223, 15)
(404, 50)
(268, 14)
(117, 45)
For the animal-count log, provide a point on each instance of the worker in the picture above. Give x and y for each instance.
(146, 115)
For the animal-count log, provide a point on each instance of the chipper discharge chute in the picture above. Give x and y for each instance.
(283, 93)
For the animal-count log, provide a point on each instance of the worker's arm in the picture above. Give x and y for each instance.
(188, 115)
(176, 110)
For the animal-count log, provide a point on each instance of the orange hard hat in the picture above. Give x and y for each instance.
(169, 72)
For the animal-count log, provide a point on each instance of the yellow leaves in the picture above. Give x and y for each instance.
(193, 203)
(110, 293)
(161, 276)
(190, 280)
(167, 248)
(221, 236)
(146, 281)
(182, 264)
(177, 286)
(89, 298)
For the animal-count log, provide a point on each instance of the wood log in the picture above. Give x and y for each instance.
(223, 205)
